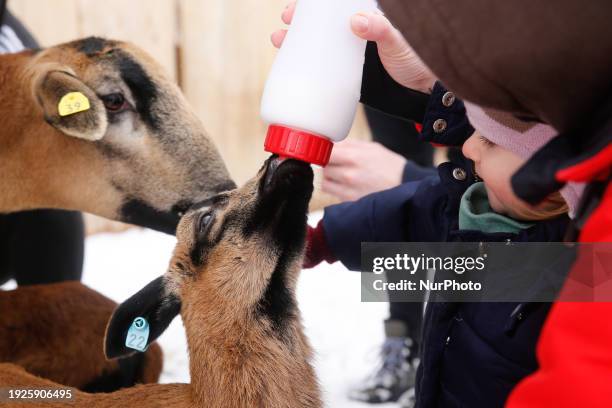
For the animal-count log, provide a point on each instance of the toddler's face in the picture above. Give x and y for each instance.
(495, 166)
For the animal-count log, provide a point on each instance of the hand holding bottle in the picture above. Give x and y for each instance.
(398, 58)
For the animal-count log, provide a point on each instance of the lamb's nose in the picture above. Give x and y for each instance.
(287, 175)
(273, 164)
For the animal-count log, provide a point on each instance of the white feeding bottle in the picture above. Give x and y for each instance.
(311, 95)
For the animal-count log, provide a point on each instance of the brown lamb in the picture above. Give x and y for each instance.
(232, 278)
(56, 331)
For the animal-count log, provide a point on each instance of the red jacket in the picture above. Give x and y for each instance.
(575, 348)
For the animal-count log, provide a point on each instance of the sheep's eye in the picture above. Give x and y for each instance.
(114, 102)
(205, 221)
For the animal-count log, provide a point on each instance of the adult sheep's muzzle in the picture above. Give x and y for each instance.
(140, 213)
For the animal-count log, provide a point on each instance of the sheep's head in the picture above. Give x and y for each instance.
(238, 253)
(142, 156)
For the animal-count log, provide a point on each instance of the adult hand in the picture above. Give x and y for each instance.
(398, 58)
(359, 168)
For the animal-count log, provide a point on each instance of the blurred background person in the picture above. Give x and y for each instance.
(41, 246)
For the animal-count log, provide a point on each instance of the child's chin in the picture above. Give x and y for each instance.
(502, 209)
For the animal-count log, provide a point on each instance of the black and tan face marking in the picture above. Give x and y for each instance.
(142, 87)
(273, 205)
(157, 158)
(235, 252)
(93, 46)
(208, 231)
(131, 72)
(252, 238)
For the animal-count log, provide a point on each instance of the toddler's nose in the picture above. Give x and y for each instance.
(470, 148)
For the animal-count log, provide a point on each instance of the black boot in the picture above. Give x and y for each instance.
(396, 374)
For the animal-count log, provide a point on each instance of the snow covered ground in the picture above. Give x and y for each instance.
(345, 333)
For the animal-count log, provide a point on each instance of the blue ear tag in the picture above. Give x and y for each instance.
(138, 334)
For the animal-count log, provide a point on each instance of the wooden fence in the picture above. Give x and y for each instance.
(218, 51)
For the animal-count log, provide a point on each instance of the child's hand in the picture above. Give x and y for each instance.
(397, 56)
(317, 250)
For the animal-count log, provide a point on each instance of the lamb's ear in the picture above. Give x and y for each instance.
(154, 304)
(68, 104)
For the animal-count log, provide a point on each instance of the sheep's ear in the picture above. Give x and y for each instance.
(154, 305)
(68, 104)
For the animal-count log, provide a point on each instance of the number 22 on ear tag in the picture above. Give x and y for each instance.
(71, 103)
(138, 334)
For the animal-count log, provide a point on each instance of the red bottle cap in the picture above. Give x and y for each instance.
(296, 144)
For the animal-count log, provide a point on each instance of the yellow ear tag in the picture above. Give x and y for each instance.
(73, 102)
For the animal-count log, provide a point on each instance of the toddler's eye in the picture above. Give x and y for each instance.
(486, 141)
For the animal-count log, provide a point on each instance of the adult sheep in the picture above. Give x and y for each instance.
(138, 154)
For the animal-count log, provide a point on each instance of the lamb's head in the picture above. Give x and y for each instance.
(138, 153)
(238, 254)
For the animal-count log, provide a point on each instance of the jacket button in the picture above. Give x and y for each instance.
(447, 341)
(459, 174)
(448, 99)
(439, 126)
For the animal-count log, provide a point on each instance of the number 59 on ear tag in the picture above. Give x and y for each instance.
(71, 103)
(138, 334)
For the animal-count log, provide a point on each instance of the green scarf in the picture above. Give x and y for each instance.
(475, 213)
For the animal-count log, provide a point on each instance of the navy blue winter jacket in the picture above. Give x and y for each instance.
(473, 354)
